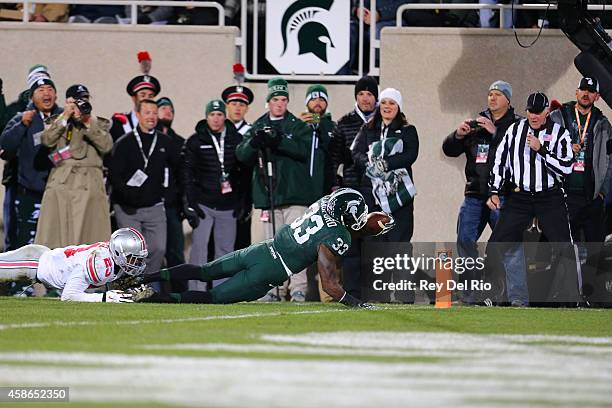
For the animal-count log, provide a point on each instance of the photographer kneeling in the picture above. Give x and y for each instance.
(74, 207)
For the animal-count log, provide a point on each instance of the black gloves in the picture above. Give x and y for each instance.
(351, 301)
(258, 141)
(266, 137)
(192, 211)
(273, 139)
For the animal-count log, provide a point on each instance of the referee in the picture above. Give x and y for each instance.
(535, 154)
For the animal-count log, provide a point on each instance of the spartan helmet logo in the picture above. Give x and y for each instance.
(299, 17)
(352, 207)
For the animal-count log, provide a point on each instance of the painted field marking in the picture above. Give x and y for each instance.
(37, 325)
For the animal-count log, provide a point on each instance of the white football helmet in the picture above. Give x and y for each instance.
(129, 250)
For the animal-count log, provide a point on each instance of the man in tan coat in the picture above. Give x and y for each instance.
(75, 205)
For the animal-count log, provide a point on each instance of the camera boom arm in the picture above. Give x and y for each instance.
(587, 33)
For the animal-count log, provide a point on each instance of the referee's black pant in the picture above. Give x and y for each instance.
(550, 208)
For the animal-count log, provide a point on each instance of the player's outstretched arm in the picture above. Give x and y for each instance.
(329, 267)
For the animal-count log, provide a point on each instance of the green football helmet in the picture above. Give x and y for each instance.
(349, 207)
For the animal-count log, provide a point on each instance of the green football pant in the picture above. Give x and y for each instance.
(251, 272)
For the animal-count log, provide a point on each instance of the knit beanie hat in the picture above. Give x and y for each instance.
(40, 82)
(316, 91)
(502, 87)
(277, 87)
(393, 94)
(216, 105)
(367, 83)
(36, 72)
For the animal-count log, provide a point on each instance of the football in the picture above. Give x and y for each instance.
(376, 222)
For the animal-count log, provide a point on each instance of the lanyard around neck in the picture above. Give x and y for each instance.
(582, 131)
(145, 157)
(219, 148)
(384, 130)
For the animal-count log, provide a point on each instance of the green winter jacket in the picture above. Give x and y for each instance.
(292, 183)
(319, 162)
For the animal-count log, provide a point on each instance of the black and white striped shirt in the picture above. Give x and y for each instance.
(529, 170)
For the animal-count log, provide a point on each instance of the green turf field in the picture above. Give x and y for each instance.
(306, 355)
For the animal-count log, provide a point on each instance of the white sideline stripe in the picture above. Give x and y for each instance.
(35, 325)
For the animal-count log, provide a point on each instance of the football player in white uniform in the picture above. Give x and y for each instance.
(74, 269)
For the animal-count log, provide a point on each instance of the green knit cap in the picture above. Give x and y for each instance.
(216, 105)
(277, 87)
(316, 91)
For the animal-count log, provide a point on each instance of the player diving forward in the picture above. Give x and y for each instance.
(322, 234)
(73, 269)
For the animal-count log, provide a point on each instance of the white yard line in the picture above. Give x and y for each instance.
(37, 325)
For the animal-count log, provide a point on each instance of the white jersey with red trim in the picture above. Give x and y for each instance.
(73, 269)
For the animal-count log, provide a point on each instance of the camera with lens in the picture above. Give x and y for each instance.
(474, 124)
(266, 131)
(84, 106)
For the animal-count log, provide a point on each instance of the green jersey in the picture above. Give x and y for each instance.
(298, 243)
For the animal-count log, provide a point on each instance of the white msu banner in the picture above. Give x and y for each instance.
(307, 36)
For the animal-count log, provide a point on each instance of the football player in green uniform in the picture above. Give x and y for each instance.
(323, 234)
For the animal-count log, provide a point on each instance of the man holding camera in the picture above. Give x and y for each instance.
(478, 139)
(74, 206)
(278, 141)
(319, 163)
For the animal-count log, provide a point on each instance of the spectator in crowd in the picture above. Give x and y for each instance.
(175, 240)
(51, 13)
(489, 18)
(137, 169)
(22, 137)
(10, 171)
(321, 125)
(283, 140)
(139, 88)
(478, 139)
(384, 16)
(209, 16)
(347, 174)
(152, 14)
(74, 206)
(95, 14)
(535, 154)
(319, 163)
(237, 99)
(587, 185)
(210, 176)
(385, 150)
